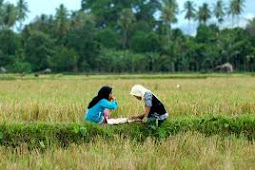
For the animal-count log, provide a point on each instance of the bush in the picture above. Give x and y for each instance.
(20, 67)
(64, 59)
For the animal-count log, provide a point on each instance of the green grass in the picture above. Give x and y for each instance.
(46, 135)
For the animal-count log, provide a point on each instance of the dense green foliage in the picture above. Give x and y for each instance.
(44, 135)
(124, 36)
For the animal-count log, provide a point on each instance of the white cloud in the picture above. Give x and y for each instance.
(249, 16)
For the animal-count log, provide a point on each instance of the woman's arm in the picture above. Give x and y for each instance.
(109, 105)
(147, 111)
(148, 105)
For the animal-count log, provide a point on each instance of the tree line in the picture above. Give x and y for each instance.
(126, 36)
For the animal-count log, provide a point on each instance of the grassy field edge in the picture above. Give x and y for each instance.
(44, 135)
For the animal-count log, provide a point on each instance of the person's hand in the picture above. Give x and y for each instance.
(113, 98)
(144, 120)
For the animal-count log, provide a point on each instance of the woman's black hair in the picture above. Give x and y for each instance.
(102, 94)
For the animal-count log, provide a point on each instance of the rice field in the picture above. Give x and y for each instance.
(64, 99)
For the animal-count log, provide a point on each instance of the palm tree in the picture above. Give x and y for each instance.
(204, 13)
(79, 18)
(169, 12)
(42, 20)
(1, 12)
(251, 27)
(9, 15)
(62, 20)
(235, 9)
(190, 11)
(22, 10)
(219, 11)
(126, 19)
(76, 19)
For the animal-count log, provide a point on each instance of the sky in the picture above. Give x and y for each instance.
(38, 7)
(248, 13)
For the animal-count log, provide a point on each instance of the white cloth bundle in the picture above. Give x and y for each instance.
(120, 121)
(117, 121)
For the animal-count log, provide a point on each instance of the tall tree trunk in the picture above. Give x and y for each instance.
(189, 27)
(169, 33)
(233, 18)
(124, 39)
(173, 66)
(133, 65)
(197, 65)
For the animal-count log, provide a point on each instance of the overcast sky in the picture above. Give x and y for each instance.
(38, 7)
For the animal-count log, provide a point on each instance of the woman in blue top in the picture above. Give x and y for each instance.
(98, 108)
